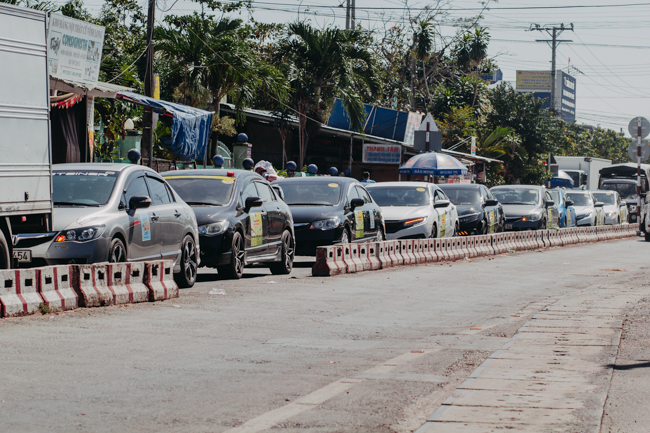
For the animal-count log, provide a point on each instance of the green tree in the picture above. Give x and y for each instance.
(322, 65)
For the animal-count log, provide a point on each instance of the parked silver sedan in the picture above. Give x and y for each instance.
(415, 210)
(118, 213)
(614, 211)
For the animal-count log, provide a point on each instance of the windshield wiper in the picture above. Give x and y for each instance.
(201, 203)
(69, 203)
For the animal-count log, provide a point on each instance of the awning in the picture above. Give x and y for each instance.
(65, 101)
(100, 89)
(190, 129)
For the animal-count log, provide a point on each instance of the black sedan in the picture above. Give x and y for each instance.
(330, 210)
(479, 212)
(241, 219)
(527, 207)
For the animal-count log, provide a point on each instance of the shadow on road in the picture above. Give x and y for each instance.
(644, 364)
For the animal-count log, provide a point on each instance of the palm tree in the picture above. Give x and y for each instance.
(322, 65)
(471, 52)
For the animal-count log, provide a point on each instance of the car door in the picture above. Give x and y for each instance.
(370, 218)
(275, 220)
(141, 243)
(166, 216)
(256, 232)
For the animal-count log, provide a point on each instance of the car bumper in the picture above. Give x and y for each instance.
(524, 225)
(215, 250)
(611, 220)
(307, 240)
(470, 227)
(70, 252)
(584, 222)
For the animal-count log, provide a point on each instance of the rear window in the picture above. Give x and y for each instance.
(202, 190)
(83, 188)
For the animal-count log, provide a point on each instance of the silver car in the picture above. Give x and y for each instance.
(614, 211)
(118, 213)
(589, 212)
(414, 210)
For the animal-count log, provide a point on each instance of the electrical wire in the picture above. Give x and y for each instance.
(130, 66)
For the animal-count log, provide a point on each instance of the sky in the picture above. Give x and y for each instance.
(608, 55)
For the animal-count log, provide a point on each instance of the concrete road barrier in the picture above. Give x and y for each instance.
(329, 262)
(18, 293)
(126, 281)
(89, 282)
(362, 253)
(159, 278)
(54, 283)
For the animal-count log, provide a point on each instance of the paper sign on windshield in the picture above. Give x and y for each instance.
(146, 226)
(256, 229)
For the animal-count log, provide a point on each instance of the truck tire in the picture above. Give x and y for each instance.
(5, 258)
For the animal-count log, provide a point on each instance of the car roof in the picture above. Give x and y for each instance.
(518, 187)
(98, 166)
(459, 186)
(324, 179)
(411, 184)
(212, 172)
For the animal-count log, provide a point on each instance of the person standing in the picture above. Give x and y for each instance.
(366, 178)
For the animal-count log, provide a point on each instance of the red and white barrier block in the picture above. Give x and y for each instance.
(89, 282)
(18, 293)
(126, 282)
(54, 283)
(159, 278)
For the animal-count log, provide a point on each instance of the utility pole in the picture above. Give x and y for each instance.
(348, 5)
(147, 118)
(353, 14)
(554, 31)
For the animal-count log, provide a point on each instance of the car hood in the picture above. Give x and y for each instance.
(583, 209)
(308, 214)
(468, 209)
(75, 217)
(610, 208)
(398, 213)
(210, 214)
(516, 210)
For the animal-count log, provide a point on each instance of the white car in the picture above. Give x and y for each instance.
(588, 211)
(615, 212)
(415, 210)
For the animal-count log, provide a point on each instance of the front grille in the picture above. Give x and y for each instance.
(512, 219)
(393, 226)
(301, 226)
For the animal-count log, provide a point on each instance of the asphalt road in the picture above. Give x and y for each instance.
(373, 352)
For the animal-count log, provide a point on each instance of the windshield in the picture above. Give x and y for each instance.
(400, 195)
(517, 196)
(311, 193)
(580, 199)
(575, 176)
(625, 190)
(82, 188)
(463, 196)
(605, 197)
(555, 196)
(203, 190)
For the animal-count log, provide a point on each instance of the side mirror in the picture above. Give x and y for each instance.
(491, 202)
(356, 202)
(599, 204)
(550, 203)
(252, 202)
(441, 203)
(569, 202)
(278, 191)
(139, 202)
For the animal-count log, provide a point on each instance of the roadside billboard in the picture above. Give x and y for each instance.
(382, 153)
(533, 81)
(74, 49)
(539, 83)
(566, 94)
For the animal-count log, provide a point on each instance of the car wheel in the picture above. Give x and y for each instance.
(486, 228)
(434, 232)
(456, 230)
(345, 237)
(285, 266)
(235, 269)
(544, 224)
(5, 260)
(380, 235)
(187, 276)
(117, 251)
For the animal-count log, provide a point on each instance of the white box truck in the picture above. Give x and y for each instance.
(25, 160)
(583, 170)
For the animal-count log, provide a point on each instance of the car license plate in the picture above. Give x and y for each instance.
(508, 226)
(23, 256)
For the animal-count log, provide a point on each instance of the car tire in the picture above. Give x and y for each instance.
(434, 232)
(187, 276)
(117, 251)
(235, 269)
(544, 224)
(285, 266)
(456, 230)
(486, 227)
(5, 258)
(647, 237)
(380, 235)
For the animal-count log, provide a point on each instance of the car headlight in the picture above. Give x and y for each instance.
(534, 217)
(415, 221)
(82, 234)
(470, 217)
(213, 229)
(611, 214)
(328, 224)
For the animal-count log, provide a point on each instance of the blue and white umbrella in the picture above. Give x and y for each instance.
(435, 164)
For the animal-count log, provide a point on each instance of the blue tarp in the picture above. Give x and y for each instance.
(190, 128)
(381, 122)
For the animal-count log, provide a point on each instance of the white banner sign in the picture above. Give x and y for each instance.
(74, 49)
(382, 153)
